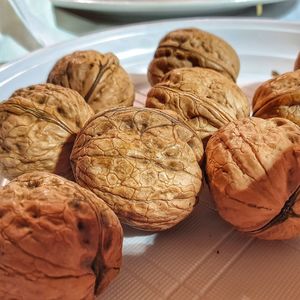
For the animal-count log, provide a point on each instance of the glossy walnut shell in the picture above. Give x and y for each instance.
(143, 162)
(253, 167)
(58, 240)
(38, 126)
(191, 47)
(204, 98)
(98, 77)
(279, 97)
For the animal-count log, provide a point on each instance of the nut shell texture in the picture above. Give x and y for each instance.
(205, 99)
(279, 97)
(99, 78)
(192, 47)
(253, 166)
(143, 162)
(58, 240)
(38, 126)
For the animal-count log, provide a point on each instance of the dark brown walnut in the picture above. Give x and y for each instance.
(297, 62)
(192, 47)
(253, 167)
(279, 97)
(57, 240)
(38, 126)
(205, 99)
(143, 163)
(98, 77)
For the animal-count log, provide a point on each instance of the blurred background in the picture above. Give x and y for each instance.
(27, 25)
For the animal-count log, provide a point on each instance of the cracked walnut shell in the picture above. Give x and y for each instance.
(279, 97)
(97, 77)
(38, 126)
(57, 240)
(143, 163)
(192, 47)
(253, 167)
(205, 99)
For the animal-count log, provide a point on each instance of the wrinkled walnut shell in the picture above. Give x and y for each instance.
(143, 162)
(297, 62)
(97, 77)
(279, 97)
(205, 99)
(253, 167)
(192, 47)
(58, 240)
(38, 126)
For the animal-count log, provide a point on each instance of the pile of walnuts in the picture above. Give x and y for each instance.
(144, 167)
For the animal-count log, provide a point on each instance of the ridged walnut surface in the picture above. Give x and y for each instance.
(204, 98)
(192, 47)
(253, 166)
(38, 126)
(58, 240)
(279, 97)
(98, 77)
(143, 162)
(297, 62)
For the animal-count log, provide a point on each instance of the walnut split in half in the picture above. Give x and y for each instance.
(38, 126)
(192, 47)
(253, 167)
(204, 98)
(57, 240)
(279, 97)
(143, 162)
(297, 62)
(99, 78)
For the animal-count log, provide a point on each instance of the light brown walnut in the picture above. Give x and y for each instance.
(253, 167)
(98, 77)
(192, 47)
(279, 97)
(204, 98)
(143, 163)
(38, 126)
(57, 240)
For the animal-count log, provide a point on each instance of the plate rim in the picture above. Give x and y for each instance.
(8, 69)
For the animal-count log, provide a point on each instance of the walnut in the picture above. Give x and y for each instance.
(38, 126)
(143, 162)
(253, 167)
(192, 47)
(204, 98)
(57, 240)
(98, 77)
(297, 62)
(279, 97)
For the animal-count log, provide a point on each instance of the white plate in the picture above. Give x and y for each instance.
(202, 258)
(160, 7)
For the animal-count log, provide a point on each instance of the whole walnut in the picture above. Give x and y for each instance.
(253, 167)
(97, 77)
(58, 240)
(191, 47)
(279, 97)
(38, 126)
(297, 62)
(204, 98)
(143, 163)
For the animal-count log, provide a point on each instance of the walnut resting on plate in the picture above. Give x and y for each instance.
(253, 167)
(204, 98)
(97, 77)
(279, 97)
(38, 126)
(58, 240)
(191, 47)
(143, 163)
